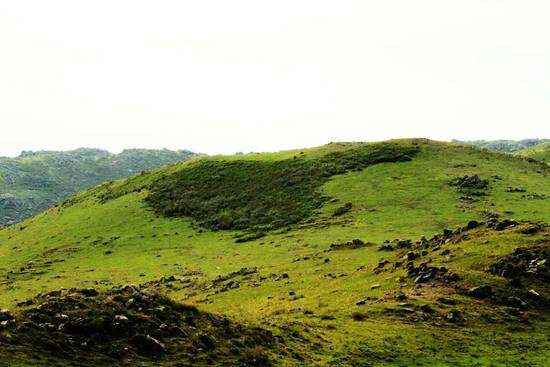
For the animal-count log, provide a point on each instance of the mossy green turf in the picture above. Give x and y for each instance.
(390, 200)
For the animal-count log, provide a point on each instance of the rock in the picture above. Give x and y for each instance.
(515, 189)
(411, 255)
(450, 277)
(343, 209)
(506, 223)
(469, 183)
(147, 345)
(403, 243)
(531, 262)
(455, 316)
(427, 309)
(447, 233)
(121, 319)
(472, 224)
(6, 315)
(375, 286)
(516, 302)
(534, 293)
(515, 283)
(482, 291)
(88, 292)
(350, 245)
(381, 264)
(401, 297)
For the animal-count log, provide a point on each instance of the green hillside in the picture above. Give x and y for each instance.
(539, 152)
(506, 146)
(401, 253)
(34, 181)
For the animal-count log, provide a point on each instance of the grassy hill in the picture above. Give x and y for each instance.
(539, 152)
(506, 146)
(401, 253)
(34, 181)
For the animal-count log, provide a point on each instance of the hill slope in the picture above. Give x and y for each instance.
(34, 181)
(397, 253)
(505, 146)
(539, 152)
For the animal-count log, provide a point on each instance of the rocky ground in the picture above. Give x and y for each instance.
(132, 324)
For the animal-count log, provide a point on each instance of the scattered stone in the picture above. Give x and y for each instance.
(506, 223)
(471, 185)
(515, 189)
(528, 262)
(351, 245)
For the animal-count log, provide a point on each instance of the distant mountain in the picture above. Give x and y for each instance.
(34, 181)
(505, 146)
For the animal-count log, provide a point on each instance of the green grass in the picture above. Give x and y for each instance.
(406, 199)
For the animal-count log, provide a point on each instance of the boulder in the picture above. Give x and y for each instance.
(482, 291)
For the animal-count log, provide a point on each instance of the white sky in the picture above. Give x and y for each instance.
(226, 76)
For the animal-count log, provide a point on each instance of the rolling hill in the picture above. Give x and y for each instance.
(400, 253)
(539, 152)
(34, 181)
(506, 146)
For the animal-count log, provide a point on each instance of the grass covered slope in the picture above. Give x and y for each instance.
(539, 152)
(506, 146)
(357, 303)
(33, 181)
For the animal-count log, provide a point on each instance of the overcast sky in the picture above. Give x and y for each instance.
(226, 76)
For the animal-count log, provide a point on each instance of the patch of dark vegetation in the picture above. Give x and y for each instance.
(262, 195)
(470, 185)
(527, 262)
(250, 237)
(350, 245)
(130, 324)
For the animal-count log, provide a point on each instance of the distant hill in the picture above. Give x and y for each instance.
(505, 146)
(539, 152)
(34, 181)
